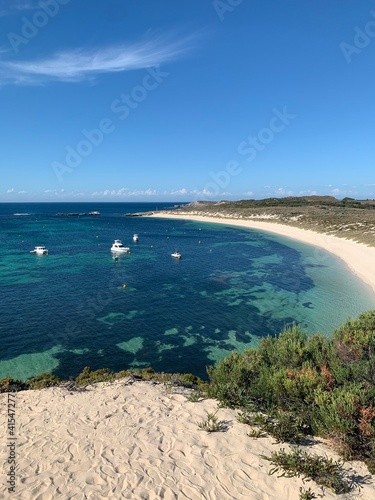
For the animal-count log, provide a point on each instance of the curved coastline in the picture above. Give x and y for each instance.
(138, 439)
(359, 258)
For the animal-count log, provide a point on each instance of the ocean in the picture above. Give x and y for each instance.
(70, 309)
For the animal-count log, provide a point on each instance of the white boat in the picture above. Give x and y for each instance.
(118, 247)
(176, 255)
(41, 250)
(135, 237)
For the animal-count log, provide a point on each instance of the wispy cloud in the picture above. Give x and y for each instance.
(54, 191)
(86, 63)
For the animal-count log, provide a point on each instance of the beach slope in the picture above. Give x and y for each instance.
(140, 440)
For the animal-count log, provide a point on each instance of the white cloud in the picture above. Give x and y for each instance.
(150, 192)
(125, 192)
(22, 192)
(207, 192)
(180, 191)
(85, 63)
(307, 192)
(54, 191)
(11, 190)
(347, 191)
(283, 192)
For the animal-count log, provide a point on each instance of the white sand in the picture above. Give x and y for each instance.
(138, 441)
(358, 257)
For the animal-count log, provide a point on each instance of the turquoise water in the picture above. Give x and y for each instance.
(69, 309)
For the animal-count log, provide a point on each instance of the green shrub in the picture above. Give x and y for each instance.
(87, 376)
(324, 471)
(305, 385)
(306, 494)
(212, 423)
(354, 344)
(196, 396)
(122, 374)
(343, 416)
(185, 380)
(43, 380)
(287, 349)
(8, 384)
(232, 379)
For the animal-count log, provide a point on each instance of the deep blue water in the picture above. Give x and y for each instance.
(69, 309)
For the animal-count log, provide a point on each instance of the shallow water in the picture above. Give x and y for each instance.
(69, 309)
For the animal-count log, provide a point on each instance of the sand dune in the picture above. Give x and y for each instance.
(140, 441)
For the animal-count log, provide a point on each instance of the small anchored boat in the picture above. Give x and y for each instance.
(40, 250)
(118, 247)
(176, 255)
(135, 237)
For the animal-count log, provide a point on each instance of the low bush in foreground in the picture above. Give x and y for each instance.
(324, 471)
(212, 423)
(88, 376)
(283, 426)
(8, 384)
(316, 385)
(43, 380)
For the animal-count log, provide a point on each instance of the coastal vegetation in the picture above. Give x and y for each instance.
(326, 472)
(294, 385)
(347, 218)
(88, 376)
(212, 423)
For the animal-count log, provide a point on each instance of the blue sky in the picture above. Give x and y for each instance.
(156, 100)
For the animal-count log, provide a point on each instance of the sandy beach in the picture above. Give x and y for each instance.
(358, 257)
(139, 440)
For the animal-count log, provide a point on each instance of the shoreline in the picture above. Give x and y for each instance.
(359, 258)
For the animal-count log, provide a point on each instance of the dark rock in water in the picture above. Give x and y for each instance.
(308, 305)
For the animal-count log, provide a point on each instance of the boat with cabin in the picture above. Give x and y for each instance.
(40, 250)
(118, 247)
